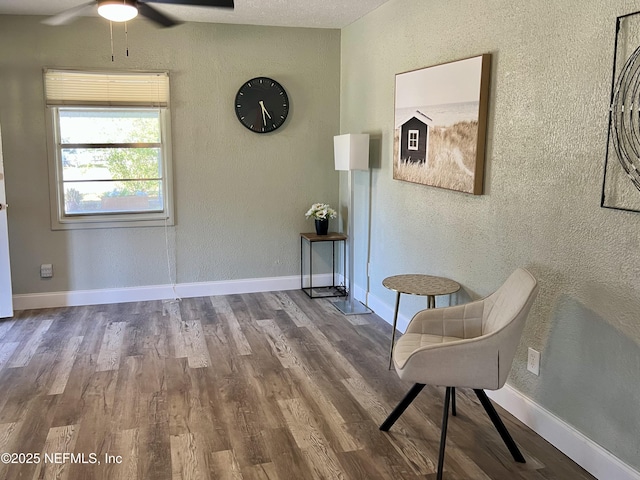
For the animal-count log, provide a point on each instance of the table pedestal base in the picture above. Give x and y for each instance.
(351, 307)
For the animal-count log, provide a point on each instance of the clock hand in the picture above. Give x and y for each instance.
(264, 120)
(264, 110)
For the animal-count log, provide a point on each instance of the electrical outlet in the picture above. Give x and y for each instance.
(533, 361)
(46, 270)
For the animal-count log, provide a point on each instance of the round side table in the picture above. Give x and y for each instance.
(417, 284)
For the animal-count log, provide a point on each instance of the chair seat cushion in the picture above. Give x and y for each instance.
(410, 342)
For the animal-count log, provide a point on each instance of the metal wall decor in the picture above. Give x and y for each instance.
(621, 185)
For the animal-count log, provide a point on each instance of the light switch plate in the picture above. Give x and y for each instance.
(46, 270)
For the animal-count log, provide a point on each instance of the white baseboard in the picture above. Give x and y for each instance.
(585, 452)
(161, 292)
(582, 450)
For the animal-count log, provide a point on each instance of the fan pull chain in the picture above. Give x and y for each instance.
(126, 37)
(111, 31)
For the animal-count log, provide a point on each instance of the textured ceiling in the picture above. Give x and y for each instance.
(285, 13)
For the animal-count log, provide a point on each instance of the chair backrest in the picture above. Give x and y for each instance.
(503, 305)
(504, 315)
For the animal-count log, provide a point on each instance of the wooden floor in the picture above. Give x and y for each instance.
(258, 386)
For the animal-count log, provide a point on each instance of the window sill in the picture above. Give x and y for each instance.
(115, 221)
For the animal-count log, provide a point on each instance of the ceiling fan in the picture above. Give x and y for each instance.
(125, 10)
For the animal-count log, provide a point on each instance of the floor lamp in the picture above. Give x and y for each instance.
(351, 152)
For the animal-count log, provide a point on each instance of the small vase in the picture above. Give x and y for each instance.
(322, 226)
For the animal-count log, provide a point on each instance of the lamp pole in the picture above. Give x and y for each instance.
(351, 306)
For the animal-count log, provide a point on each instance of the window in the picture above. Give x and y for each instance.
(109, 149)
(413, 139)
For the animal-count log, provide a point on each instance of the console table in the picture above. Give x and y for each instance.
(328, 291)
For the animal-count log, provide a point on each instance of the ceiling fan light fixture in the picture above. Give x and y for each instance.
(117, 10)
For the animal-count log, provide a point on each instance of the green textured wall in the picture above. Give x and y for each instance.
(546, 141)
(240, 197)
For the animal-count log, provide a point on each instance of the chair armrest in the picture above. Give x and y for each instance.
(462, 321)
(472, 363)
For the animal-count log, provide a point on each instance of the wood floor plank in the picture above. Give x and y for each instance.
(60, 440)
(193, 335)
(317, 330)
(31, 436)
(222, 354)
(6, 350)
(70, 405)
(258, 386)
(388, 457)
(176, 334)
(261, 391)
(336, 425)
(197, 353)
(264, 471)
(287, 458)
(179, 396)
(129, 406)
(6, 325)
(7, 435)
(95, 434)
(241, 416)
(408, 448)
(93, 331)
(279, 344)
(321, 458)
(358, 464)
(67, 323)
(221, 305)
(205, 418)
(109, 356)
(66, 361)
(282, 301)
(28, 350)
(256, 306)
(223, 465)
(125, 452)
(190, 407)
(15, 401)
(187, 458)
(154, 452)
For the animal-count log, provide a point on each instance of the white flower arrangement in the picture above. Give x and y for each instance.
(320, 211)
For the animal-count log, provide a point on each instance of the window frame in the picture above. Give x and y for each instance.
(413, 144)
(62, 221)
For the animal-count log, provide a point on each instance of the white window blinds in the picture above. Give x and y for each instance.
(69, 87)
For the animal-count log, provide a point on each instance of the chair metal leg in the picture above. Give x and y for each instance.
(393, 332)
(450, 398)
(401, 407)
(453, 402)
(443, 433)
(497, 422)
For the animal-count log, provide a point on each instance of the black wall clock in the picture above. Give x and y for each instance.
(262, 105)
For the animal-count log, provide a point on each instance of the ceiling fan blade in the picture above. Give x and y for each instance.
(199, 3)
(68, 16)
(155, 15)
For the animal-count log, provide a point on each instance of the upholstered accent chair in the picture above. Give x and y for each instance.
(468, 346)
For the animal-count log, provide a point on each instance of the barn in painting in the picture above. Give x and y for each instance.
(414, 137)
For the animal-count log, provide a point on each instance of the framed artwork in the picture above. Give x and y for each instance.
(621, 184)
(440, 124)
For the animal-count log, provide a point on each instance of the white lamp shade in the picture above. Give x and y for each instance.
(351, 151)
